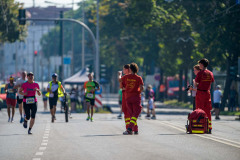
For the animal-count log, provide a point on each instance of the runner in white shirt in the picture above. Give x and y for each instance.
(19, 83)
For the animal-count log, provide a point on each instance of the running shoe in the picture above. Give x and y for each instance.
(92, 120)
(153, 117)
(12, 120)
(119, 116)
(136, 132)
(148, 117)
(127, 132)
(21, 120)
(88, 118)
(29, 132)
(25, 124)
(53, 119)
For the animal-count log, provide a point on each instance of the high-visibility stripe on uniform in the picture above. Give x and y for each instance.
(127, 119)
(134, 118)
(195, 131)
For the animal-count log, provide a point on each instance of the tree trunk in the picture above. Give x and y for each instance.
(180, 86)
(227, 87)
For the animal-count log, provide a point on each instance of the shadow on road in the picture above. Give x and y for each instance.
(102, 135)
(172, 134)
(3, 135)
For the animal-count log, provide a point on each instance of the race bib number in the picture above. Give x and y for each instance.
(89, 95)
(10, 90)
(30, 100)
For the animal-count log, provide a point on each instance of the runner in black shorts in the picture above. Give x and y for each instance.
(29, 90)
(54, 90)
(90, 87)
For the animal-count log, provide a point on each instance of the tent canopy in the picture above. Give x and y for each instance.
(78, 78)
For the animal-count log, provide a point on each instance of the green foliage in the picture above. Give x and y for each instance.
(10, 30)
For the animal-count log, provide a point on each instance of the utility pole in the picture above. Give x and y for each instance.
(61, 70)
(83, 38)
(33, 51)
(97, 48)
(72, 59)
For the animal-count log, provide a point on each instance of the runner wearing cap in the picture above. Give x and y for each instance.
(10, 90)
(19, 83)
(28, 90)
(54, 90)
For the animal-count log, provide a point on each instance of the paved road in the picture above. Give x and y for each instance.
(164, 138)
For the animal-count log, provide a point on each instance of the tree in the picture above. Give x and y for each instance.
(10, 30)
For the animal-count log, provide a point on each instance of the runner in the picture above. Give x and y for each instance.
(90, 88)
(29, 90)
(54, 90)
(133, 88)
(19, 83)
(44, 92)
(10, 90)
(126, 71)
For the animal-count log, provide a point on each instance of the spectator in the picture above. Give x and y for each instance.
(120, 103)
(217, 95)
(150, 96)
(73, 98)
(232, 96)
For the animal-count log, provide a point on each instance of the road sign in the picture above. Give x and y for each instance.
(66, 60)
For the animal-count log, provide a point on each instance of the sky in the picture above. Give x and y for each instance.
(42, 3)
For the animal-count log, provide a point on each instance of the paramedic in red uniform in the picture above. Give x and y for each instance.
(133, 88)
(126, 71)
(204, 80)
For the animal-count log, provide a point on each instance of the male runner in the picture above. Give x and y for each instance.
(133, 88)
(11, 101)
(54, 90)
(90, 87)
(28, 90)
(204, 80)
(19, 83)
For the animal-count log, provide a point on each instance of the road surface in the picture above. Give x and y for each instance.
(164, 138)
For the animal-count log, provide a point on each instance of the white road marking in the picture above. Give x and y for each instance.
(45, 137)
(36, 159)
(44, 144)
(42, 148)
(202, 136)
(45, 141)
(39, 153)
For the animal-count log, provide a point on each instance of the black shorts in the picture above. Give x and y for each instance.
(53, 102)
(44, 99)
(19, 101)
(120, 102)
(216, 105)
(92, 101)
(73, 100)
(30, 110)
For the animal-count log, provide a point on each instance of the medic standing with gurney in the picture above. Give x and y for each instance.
(204, 80)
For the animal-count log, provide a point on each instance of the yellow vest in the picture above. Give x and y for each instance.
(60, 92)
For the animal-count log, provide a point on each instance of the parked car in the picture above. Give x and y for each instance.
(3, 96)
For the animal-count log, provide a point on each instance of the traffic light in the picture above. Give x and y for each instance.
(89, 68)
(35, 53)
(22, 15)
(103, 71)
(233, 71)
